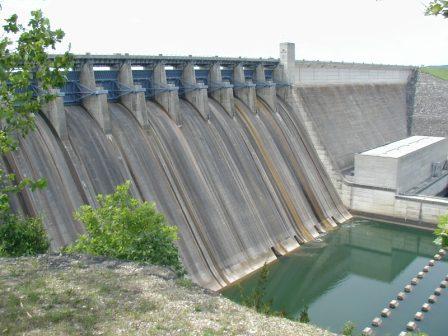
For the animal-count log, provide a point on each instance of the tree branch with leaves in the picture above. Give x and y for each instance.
(438, 7)
(27, 74)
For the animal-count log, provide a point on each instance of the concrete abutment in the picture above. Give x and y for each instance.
(167, 95)
(95, 98)
(283, 86)
(265, 89)
(221, 91)
(55, 112)
(134, 98)
(243, 90)
(195, 93)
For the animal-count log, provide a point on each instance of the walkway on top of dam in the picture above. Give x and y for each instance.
(142, 60)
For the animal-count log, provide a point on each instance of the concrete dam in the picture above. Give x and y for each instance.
(245, 156)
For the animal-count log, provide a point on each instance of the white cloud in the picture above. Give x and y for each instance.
(388, 31)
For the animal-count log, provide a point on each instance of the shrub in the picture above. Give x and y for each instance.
(255, 299)
(442, 232)
(304, 316)
(348, 329)
(21, 236)
(123, 227)
(24, 63)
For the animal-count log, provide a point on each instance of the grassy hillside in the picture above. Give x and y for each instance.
(437, 71)
(79, 295)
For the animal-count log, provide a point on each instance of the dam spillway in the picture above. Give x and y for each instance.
(229, 184)
(219, 144)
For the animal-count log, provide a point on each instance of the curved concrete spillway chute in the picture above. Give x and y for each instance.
(243, 185)
(41, 154)
(166, 177)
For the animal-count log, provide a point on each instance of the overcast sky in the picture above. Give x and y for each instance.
(384, 31)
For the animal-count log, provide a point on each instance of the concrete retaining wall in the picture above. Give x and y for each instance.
(354, 118)
(420, 211)
(312, 73)
(316, 72)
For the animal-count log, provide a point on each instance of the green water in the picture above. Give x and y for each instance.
(351, 274)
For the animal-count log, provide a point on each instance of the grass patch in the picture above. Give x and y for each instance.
(53, 296)
(184, 282)
(69, 303)
(35, 304)
(145, 306)
(207, 306)
(436, 71)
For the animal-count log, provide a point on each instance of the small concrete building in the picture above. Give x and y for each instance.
(403, 164)
(400, 181)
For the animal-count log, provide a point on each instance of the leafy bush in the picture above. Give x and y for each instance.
(24, 63)
(348, 329)
(123, 227)
(304, 316)
(256, 298)
(442, 232)
(438, 7)
(22, 236)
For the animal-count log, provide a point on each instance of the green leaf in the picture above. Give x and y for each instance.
(22, 64)
(126, 228)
